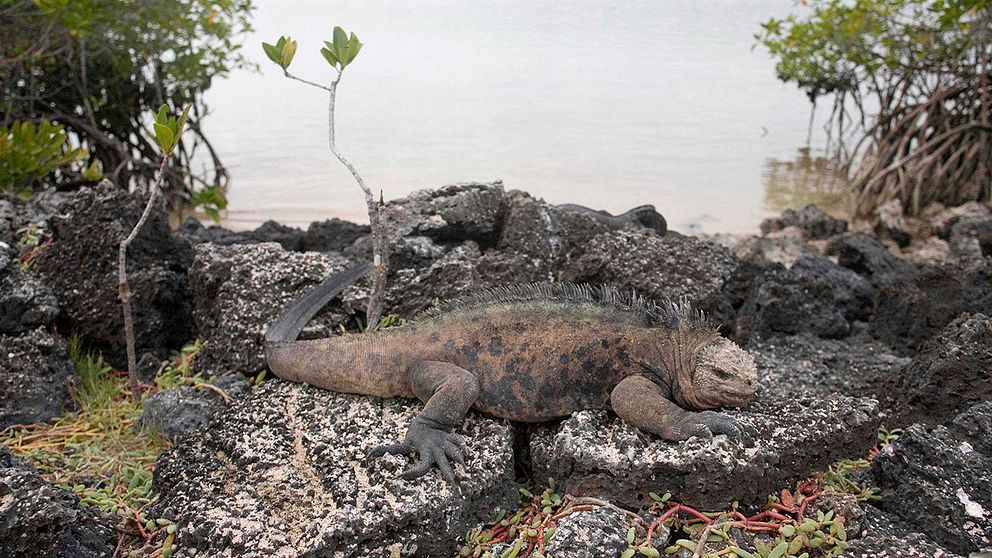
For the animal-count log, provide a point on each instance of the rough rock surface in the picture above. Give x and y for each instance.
(815, 223)
(866, 255)
(17, 215)
(41, 520)
(289, 238)
(238, 290)
(781, 247)
(25, 303)
(852, 293)
(857, 368)
(469, 211)
(456, 274)
(890, 222)
(590, 534)
(284, 473)
(952, 371)
(943, 222)
(885, 536)
(669, 267)
(940, 485)
(972, 236)
(594, 453)
(180, 411)
(81, 268)
(915, 303)
(782, 302)
(333, 235)
(975, 427)
(35, 376)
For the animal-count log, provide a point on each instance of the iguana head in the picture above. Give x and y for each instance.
(724, 375)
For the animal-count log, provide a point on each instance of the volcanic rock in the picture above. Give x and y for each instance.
(38, 519)
(940, 485)
(237, 292)
(815, 223)
(80, 266)
(593, 453)
(25, 303)
(285, 473)
(35, 377)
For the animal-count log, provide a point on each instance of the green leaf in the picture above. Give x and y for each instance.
(329, 56)
(181, 124)
(340, 40)
(741, 553)
(163, 114)
(354, 45)
(273, 52)
(629, 553)
(779, 550)
(164, 137)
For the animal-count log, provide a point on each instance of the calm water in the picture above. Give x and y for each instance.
(594, 103)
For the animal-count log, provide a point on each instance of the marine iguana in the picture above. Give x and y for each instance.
(527, 353)
(643, 215)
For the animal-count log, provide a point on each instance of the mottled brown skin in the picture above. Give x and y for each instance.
(532, 361)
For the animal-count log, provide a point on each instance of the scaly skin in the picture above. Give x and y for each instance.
(533, 354)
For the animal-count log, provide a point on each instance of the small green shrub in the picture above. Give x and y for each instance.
(30, 152)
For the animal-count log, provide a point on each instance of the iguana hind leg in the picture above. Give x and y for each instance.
(642, 404)
(449, 392)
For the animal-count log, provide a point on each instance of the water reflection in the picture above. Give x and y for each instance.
(809, 178)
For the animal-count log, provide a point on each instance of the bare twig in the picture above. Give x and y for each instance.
(124, 291)
(380, 242)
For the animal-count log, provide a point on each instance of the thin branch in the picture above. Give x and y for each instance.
(308, 82)
(124, 291)
(380, 247)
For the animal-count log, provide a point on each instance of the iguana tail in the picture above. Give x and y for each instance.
(364, 364)
(294, 318)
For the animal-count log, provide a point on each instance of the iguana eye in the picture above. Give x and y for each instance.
(722, 374)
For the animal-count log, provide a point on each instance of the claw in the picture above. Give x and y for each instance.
(395, 449)
(454, 452)
(418, 470)
(434, 446)
(722, 424)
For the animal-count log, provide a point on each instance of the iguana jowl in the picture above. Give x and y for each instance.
(527, 353)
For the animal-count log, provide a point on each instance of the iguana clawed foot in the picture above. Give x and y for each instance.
(434, 446)
(707, 424)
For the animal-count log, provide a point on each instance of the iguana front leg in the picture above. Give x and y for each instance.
(449, 392)
(642, 404)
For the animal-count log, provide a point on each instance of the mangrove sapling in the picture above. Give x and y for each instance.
(339, 53)
(167, 130)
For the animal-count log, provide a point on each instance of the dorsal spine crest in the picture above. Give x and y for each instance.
(668, 313)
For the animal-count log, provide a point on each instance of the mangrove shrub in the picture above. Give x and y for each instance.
(909, 80)
(99, 67)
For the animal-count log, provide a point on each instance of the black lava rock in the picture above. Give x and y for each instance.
(35, 377)
(25, 303)
(81, 268)
(177, 412)
(333, 235)
(866, 255)
(780, 302)
(940, 485)
(952, 371)
(852, 293)
(38, 520)
(815, 223)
